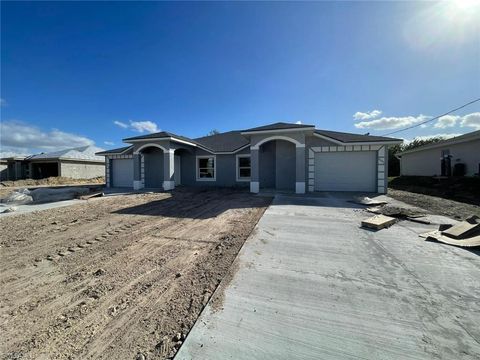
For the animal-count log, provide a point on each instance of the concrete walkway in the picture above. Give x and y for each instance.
(311, 284)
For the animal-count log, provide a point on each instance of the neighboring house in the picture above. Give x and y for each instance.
(441, 158)
(279, 156)
(76, 163)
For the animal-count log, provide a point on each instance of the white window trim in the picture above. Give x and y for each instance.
(238, 168)
(197, 172)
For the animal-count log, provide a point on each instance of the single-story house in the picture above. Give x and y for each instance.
(281, 156)
(444, 157)
(75, 163)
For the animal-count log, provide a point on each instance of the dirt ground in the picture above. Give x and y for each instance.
(436, 205)
(121, 277)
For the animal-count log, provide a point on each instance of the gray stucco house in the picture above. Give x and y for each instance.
(440, 159)
(281, 156)
(75, 163)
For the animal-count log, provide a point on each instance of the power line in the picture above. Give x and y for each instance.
(435, 118)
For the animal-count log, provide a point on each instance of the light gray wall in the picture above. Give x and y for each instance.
(428, 163)
(81, 170)
(225, 168)
(153, 166)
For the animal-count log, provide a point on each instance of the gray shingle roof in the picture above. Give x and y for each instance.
(279, 126)
(349, 137)
(85, 153)
(223, 142)
(233, 140)
(114, 151)
(161, 134)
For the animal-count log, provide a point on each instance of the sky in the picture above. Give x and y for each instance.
(84, 73)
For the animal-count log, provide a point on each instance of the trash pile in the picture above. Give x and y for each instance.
(464, 234)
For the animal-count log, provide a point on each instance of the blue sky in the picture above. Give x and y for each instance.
(75, 73)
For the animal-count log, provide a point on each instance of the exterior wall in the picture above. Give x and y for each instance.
(428, 162)
(81, 170)
(225, 169)
(3, 171)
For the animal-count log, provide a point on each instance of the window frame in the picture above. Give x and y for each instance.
(237, 166)
(197, 167)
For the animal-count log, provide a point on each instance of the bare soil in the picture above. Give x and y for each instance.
(436, 205)
(121, 277)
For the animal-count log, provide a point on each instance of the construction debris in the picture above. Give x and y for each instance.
(397, 211)
(18, 197)
(9, 210)
(45, 195)
(365, 200)
(464, 229)
(92, 195)
(464, 234)
(378, 222)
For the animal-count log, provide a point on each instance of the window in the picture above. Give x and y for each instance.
(244, 168)
(206, 168)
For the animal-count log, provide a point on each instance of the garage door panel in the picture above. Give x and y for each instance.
(345, 171)
(122, 172)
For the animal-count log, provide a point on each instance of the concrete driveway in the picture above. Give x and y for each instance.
(311, 284)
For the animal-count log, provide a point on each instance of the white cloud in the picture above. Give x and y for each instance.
(139, 126)
(144, 126)
(121, 124)
(3, 102)
(298, 122)
(446, 121)
(471, 120)
(368, 115)
(393, 122)
(110, 143)
(22, 138)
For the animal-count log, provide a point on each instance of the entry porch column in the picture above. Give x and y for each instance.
(137, 172)
(254, 172)
(168, 170)
(300, 169)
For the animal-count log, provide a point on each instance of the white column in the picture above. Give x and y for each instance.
(168, 170)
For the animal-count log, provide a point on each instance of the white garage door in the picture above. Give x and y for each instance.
(345, 171)
(122, 173)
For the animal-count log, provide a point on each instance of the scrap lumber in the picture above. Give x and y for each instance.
(463, 234)
(378, 222)
(92, 195)
(438, 236)
(464, 229)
